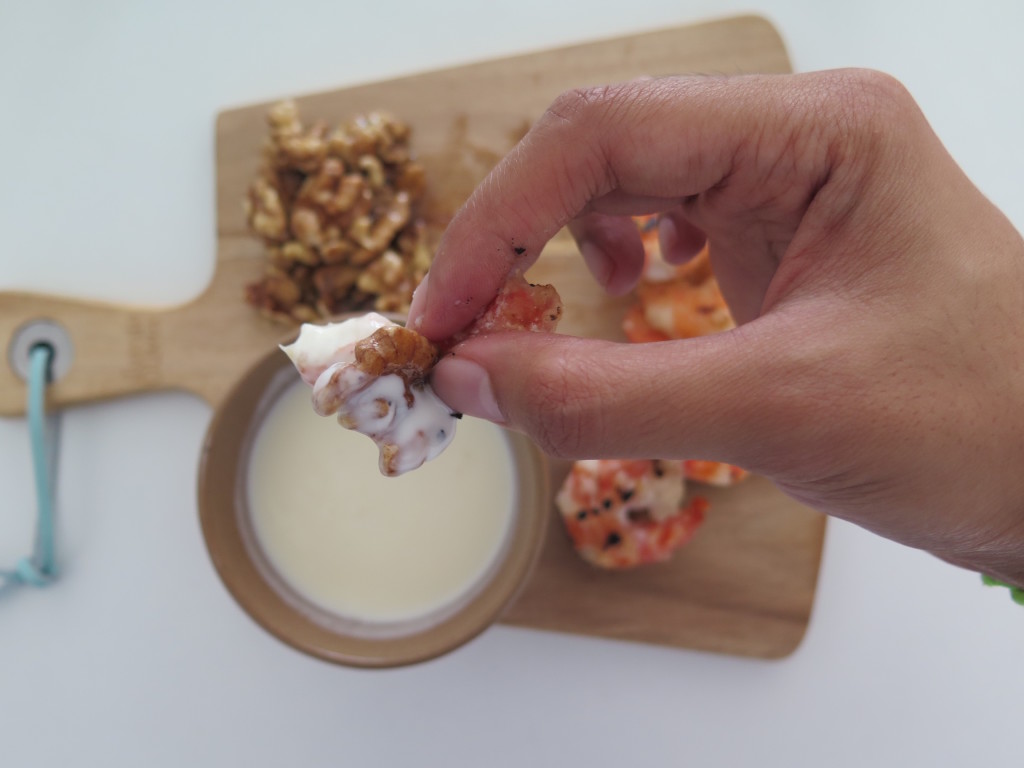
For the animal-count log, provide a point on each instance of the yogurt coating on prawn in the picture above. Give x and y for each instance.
(379, 390)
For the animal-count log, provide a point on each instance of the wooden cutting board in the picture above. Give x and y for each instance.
(744, 586)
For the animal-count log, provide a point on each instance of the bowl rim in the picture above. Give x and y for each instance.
(224, 455)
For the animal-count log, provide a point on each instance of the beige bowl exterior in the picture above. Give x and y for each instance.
(224, 519)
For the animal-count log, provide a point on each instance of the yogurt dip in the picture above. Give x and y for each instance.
(371, 548)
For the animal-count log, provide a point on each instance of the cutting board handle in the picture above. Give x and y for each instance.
(101, 350)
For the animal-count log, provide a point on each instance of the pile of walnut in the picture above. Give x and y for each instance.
(336, 210)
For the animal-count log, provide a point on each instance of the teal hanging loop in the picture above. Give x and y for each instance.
(40, 568)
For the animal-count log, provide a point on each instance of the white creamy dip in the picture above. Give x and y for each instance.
(368, 547)
(410, 424)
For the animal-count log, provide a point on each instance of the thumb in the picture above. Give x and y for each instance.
(726, 397)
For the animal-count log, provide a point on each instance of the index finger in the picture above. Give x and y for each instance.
(670, 139)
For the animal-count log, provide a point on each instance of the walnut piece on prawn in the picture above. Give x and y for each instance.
(396, 349)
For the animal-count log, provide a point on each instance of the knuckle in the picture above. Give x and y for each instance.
(870, 101)
(584, 106)
(880, 88)
(569, 106)
(863, 120)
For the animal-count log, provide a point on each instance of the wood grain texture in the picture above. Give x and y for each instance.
(746, 583)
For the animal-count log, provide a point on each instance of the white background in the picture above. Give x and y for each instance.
(139, 657)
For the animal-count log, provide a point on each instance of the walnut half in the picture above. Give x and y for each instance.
(396, 349)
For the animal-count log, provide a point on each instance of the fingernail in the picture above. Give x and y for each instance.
(418, 304)
(675, 250)
(466, 387)
(597, 262)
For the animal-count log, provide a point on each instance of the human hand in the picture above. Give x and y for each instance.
(877, 373)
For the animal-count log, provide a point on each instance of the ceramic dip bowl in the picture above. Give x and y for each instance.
(344, 564)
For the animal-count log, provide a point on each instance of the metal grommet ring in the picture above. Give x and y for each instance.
(34, 333)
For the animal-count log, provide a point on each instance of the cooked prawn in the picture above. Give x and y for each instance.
(675, 302)
(713, 472)
(623, 513)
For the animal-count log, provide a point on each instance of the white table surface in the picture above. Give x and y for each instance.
(138, 656)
